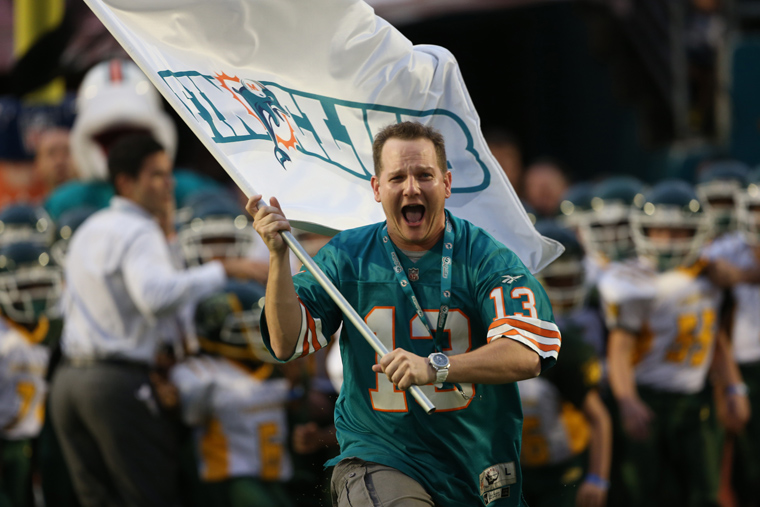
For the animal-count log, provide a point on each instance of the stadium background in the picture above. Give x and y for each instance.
(641, 87)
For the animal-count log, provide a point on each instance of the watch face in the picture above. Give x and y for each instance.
(440, 360)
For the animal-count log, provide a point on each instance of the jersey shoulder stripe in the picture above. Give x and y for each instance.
(310, 338)
(541, 336)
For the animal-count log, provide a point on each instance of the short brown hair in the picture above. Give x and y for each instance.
(128, 154)
(409, 131)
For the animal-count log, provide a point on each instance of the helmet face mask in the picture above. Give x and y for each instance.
(575, 207)
(30, 288)
(748, 213)
(718, 189)
(564, 281)
(228, 323)
(608, 231)
(213, 226)
(241, 329)
(720, 198)
(672, 226)
(219, 237)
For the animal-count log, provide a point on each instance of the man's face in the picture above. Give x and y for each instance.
(154, 187)
(544, 187)
(413, 191)
(666, 235)
(53, 158)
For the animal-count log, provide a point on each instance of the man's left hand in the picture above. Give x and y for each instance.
(405, 369)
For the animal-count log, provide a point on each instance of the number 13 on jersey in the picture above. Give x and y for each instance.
(385, 397)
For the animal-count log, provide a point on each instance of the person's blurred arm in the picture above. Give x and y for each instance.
(634, 412)
(593, 491)
(734, 407)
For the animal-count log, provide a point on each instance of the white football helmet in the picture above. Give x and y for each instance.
(116, 98)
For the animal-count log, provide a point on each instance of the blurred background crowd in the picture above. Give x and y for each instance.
(630, 129)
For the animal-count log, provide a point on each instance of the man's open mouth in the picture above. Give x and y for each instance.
(413, 213)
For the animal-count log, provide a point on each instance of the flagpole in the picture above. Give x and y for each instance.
(348, 311)
(102, 13)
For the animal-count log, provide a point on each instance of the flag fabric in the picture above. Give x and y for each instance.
(288, 94)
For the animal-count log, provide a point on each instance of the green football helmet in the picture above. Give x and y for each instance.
(25, 222)
(718, 187)
(607, 230)
(227, 322)
(576, 204)
(564, 279)
(30, 282)
(672, 225)
(216, 228)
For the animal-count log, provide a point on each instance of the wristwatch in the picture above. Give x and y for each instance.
(440, 363)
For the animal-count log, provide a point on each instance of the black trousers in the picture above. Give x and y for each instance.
(120, 448)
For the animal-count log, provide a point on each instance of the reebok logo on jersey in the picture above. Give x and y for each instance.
(510, 279)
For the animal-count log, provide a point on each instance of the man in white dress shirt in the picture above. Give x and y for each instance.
(121, 287)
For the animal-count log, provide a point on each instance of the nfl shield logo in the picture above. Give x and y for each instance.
(414, 274)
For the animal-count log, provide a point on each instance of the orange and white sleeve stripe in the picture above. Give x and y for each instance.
(540, 335)
(311, 338)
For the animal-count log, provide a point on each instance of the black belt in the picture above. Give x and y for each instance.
(87, 362)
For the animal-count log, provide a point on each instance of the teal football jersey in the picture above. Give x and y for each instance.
(467, 451)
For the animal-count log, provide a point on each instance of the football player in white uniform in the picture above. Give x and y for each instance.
(236, 403)
(741, 324)
(30, 287)
(662, 314)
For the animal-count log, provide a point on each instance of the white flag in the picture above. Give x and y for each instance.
(288, 94)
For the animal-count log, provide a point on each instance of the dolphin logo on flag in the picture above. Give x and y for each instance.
(262, 104)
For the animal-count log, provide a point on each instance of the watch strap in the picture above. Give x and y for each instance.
(440, 376)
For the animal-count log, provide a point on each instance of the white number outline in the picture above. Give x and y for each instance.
(445, 400)
(517, 293)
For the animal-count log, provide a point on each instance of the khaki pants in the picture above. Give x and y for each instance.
(359, 483)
